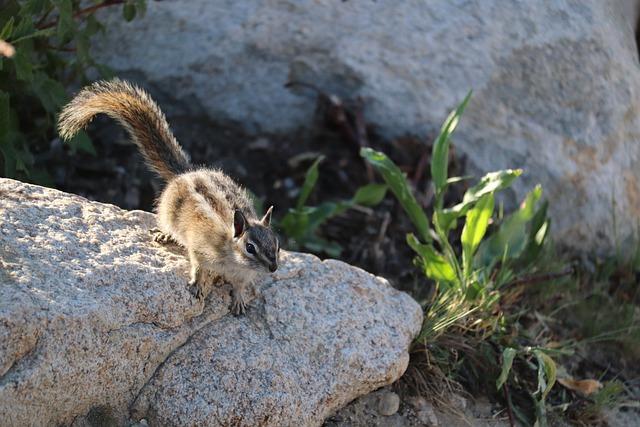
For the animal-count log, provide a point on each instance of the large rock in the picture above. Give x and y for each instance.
(95, 319)
(556, 84)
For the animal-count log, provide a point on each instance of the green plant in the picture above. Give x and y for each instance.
(492, 252)
(465, 277)
(51, 43)
(301, 223)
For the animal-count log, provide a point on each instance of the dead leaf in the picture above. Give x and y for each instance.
(584, 387)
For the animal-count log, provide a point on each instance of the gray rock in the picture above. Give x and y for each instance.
(555, 83)
(389, 403)
(95, 317)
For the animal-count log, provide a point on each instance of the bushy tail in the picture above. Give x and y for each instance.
(134, 109)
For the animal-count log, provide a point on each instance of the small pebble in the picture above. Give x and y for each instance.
(388, 404)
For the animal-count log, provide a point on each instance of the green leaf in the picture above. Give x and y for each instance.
(319, 214)
(475, 228)
(511, 238)
(538, 231)
(440, 154)
(33, 7)
(455, 179)
(47, 32)
(7, 30)
(22, 64)
(6, 146)
(66, 25)
(129, 11)
(4, 114)
(318, 245)
(105, 71)
(370, 195)
(546, 373)
(295, 223)
(435, 265)
(488, 184)
(50, 92)
(398, 184)
(141, 7)
(310, 180)
(508, 354)
(82, 142)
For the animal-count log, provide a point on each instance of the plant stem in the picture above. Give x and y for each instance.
(507, 397)
(81, 12)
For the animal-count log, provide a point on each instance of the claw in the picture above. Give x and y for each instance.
(196, 290)
(238, 305)
(161, 237)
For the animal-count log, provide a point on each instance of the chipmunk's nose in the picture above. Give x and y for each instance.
(273, 267)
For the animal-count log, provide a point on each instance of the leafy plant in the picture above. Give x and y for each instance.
(301, 223)
(47, 47)
(492, 251)
(466, 274)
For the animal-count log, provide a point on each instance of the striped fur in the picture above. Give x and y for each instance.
(202, 209)
(138, 113)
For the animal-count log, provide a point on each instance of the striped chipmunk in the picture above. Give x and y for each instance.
(200, 208)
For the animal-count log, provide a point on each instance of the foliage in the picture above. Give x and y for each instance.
(470, 276)
(466, 277)
(301, 223)
(51, 39)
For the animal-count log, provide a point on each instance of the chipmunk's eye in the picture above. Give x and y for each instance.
(251, 249)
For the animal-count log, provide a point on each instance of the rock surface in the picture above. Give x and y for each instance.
(556, 84)
(95, 319)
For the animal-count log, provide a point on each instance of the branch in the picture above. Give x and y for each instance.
(81, 12)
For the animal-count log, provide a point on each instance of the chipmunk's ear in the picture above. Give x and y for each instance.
(266, 219)
(239, 223)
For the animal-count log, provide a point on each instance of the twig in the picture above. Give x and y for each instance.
(45, 16)
(420, 167)
(383, 228)
(507, 397)
(361, 135)
(62, 49)
(541, 277)
(81, 12)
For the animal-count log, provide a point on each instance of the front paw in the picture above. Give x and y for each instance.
(238, 304)
(161, 237)
(196, 289)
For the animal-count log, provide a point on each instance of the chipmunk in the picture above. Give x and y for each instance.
(200, 208)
